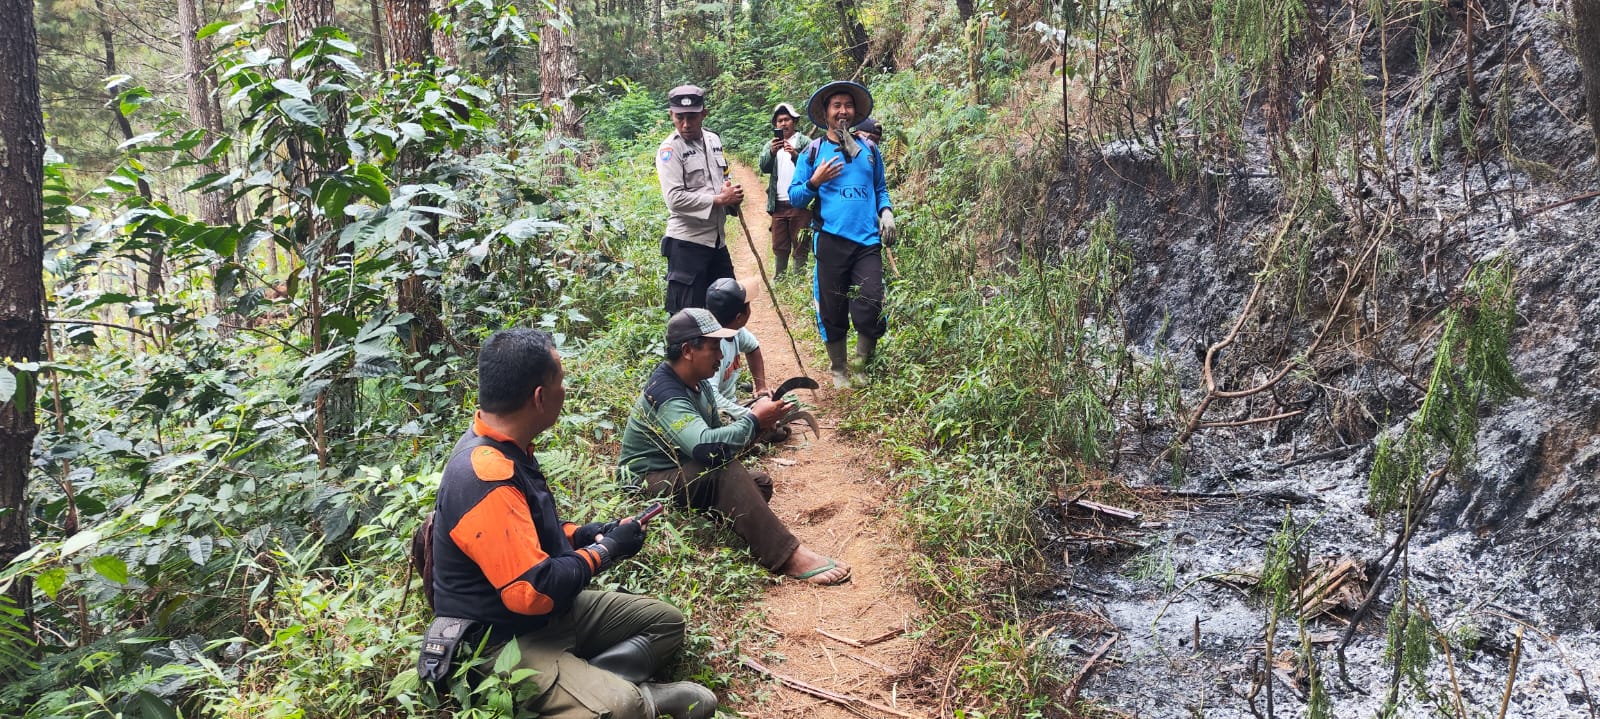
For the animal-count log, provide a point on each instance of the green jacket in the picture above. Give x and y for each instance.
(673, 424)
(769, 165)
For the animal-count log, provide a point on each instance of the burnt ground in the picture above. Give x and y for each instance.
(1507, 562)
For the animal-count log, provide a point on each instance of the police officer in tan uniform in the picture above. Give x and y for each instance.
(694, 182)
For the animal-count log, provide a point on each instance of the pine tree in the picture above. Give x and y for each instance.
(21, 268)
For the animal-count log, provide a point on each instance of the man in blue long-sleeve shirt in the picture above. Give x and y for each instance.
(853, 221)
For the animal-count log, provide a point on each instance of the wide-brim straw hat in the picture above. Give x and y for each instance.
(817, 106)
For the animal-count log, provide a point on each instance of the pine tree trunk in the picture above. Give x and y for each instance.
(558, 69)
(445, 41)
(1586, 23)
(21, 269)
(306, 16)
(375, 8)
(214, 207)
(410, 38)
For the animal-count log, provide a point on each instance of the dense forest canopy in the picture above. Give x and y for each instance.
(272, 235)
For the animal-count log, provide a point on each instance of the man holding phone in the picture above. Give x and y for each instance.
(503, 564)
(777, 160)
(676, 445)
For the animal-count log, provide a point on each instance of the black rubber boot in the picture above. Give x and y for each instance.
(630, 659)
(866, 349)
(838, 364)
(679, 700)
(782, 265)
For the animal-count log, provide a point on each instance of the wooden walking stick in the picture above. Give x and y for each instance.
(761, 265)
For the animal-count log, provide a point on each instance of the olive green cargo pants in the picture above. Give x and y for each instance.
(572, 689)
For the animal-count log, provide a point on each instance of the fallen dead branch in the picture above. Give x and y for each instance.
(840, 638)
(1213, 393)
(884, 637)
(1332, 585)
(853, 703)
(1126, 515)
(1082, 537)
(1088, 667)
(1328, 584)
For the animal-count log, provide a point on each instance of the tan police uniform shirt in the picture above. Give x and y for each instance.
(691, 174)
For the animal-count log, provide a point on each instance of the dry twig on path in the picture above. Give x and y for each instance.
(847, 701)
(840, 639)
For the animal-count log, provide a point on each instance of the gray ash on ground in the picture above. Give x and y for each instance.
(1507, 563)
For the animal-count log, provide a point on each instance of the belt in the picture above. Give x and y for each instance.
(784, 205)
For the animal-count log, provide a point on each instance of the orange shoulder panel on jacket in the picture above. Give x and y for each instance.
(492, 465)
(499, 536)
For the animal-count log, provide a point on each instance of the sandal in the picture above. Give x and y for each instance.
(824, 569)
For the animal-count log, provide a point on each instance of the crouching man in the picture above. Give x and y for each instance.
(502, 559)
(676, 445)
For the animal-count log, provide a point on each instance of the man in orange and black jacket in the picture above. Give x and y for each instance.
(501, 558)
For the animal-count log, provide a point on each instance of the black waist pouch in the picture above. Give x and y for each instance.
(439, 647)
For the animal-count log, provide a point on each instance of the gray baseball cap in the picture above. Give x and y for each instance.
(693, 323)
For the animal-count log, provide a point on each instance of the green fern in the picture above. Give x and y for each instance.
(16, 641)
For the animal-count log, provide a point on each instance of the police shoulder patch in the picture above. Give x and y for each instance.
(664, 155)
(492, 465)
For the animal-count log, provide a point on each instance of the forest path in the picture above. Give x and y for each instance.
(833, 494)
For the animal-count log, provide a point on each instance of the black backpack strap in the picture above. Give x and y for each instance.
(439, 647)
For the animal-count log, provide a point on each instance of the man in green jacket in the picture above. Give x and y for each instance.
(675, 445)
(777, 160)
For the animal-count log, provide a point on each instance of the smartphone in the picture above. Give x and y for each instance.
(649, 513)
(777, 134)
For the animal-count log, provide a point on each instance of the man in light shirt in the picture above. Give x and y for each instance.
(777, 160)
(699, 197)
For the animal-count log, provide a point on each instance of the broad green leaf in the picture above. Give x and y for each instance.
(149, 706)
(343, 324)
(372, 183)
(413, 131)
(301, 111)
(111, 567)
(508, 659)
(333, 198)
(50, 581)
(139, 140)
(79, 541)
(347, 65)
(200, 549)
(292, 88)
(151, 518)
(214, 28)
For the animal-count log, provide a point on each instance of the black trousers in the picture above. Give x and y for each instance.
(691, 268)
(848, 288)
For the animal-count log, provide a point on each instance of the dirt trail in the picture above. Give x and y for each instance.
(832, 493)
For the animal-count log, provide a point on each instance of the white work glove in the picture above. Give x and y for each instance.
(886, 229)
